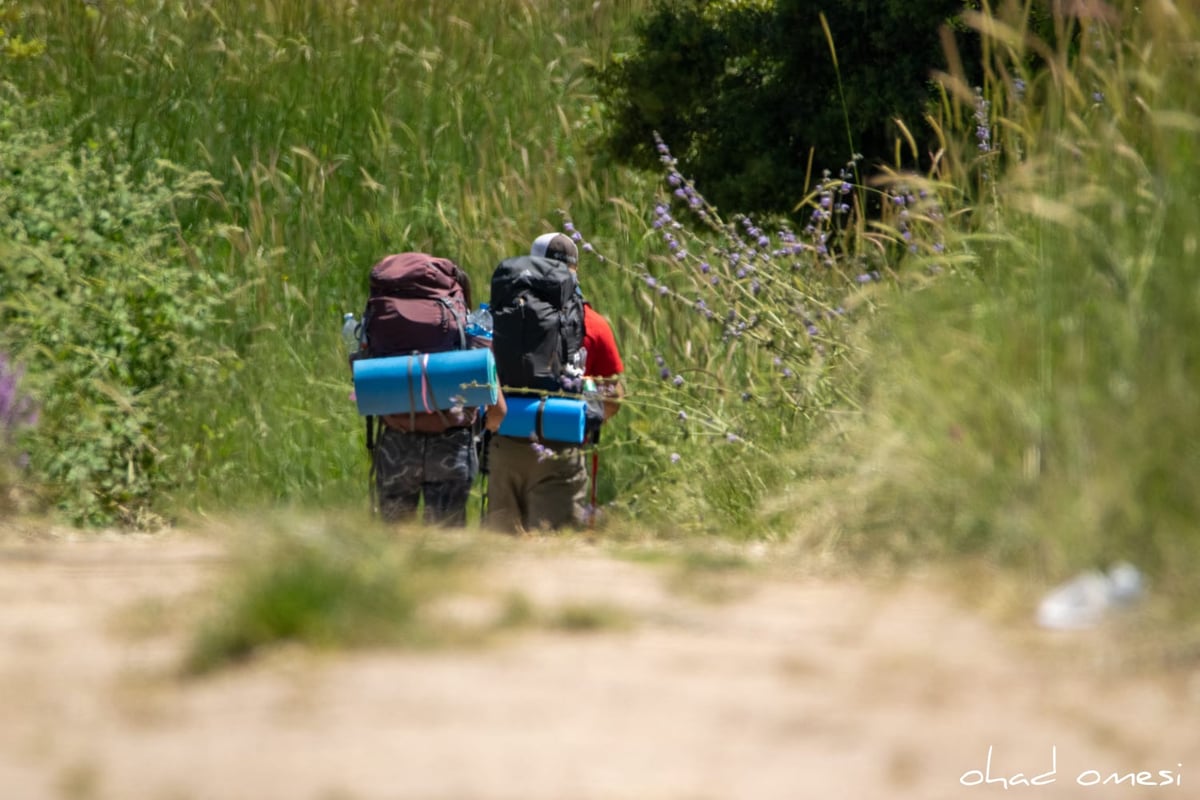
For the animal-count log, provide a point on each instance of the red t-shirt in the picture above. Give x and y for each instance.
(603, 358)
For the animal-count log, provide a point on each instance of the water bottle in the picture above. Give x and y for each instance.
(1084, 601)
(350, 333)
(479, 323)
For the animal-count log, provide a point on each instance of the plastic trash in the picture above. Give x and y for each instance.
(1086, 599)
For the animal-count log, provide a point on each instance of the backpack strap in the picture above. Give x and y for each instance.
(541, 414)
(370, 437)
(462, 321)
(374, 430)
(364, 326)
(412, 396)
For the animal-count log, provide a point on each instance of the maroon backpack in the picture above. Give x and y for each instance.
(416, 304)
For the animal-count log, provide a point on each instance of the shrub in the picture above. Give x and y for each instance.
(101, 299)
(750, 96)
(746, 341)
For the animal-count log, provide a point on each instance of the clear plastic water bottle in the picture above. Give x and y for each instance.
(350, 333)
(1084, 601)
(479, 323)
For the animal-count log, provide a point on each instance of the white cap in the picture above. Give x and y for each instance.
(557, 246)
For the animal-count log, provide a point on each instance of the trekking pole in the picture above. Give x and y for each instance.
(595, 470)
(486, 438)
(374, 432)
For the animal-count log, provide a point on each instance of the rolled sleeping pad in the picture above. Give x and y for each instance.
(425, 382)
(548, 419)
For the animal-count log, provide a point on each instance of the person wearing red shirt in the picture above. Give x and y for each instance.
(604, 365)
(545, 486)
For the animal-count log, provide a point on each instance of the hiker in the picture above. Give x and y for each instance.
(534, 482)
(419, 305)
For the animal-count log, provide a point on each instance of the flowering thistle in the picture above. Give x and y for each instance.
(17, 410)
(983, 129)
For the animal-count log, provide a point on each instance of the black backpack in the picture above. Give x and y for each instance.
(537, 318)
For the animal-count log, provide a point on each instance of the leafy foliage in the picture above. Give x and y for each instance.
(1034, 403)
(101, 299)
(750, 97)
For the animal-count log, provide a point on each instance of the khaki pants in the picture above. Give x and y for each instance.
(530, 489)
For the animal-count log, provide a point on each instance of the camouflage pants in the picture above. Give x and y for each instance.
(436, 467)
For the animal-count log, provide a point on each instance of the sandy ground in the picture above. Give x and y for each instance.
(792, 685)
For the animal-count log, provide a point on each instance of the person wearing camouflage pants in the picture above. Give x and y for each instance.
(437, 466)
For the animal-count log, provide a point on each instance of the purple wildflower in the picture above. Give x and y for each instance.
(17, 410)
(983, 130)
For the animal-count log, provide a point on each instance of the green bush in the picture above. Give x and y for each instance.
(102, 301)
(751, 99)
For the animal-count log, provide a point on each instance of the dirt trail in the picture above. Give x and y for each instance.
(794, 686)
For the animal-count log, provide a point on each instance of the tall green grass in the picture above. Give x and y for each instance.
(1005, 364)
(339, 132)
(1037, 404)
